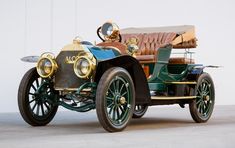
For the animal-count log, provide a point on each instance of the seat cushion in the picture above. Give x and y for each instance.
(145, 57)
(181, 60)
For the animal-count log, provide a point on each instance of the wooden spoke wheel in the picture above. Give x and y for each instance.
(36, 99)
(115, 99)
(202, 107)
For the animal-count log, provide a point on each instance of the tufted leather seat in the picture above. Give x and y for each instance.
(181, 60)
(149, 44)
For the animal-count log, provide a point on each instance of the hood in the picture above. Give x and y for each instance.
(103, 53)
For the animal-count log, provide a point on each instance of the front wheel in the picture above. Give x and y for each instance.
(202, 107)
(115, 99)
(36, 99)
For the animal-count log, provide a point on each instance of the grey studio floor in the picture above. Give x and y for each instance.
(165, 127)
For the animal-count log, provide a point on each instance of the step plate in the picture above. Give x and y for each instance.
(172, 98)
(188, 82)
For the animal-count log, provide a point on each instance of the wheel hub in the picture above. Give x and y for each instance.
(206, 98)
(122, 100)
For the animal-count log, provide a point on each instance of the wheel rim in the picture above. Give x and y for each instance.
(118, 101)
(204, 100)
(39, 94)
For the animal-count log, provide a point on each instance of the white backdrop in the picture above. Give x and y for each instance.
(30, 27)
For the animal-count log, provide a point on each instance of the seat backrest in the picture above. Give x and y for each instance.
(149, 43)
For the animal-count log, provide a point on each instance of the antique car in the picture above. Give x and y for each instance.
(120, 77)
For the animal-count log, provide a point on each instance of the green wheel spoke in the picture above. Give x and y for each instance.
(35, 104)
(113, 115)
(207, 93)
(114, 87)
(111, 92)
(121, 88)
(32, 101)
(124, 94)
(118, 114)
(201, 87)
(199, 91)
(117, 85)
(198, 101)
(49, 101)
(31, 94)
(42, 80)
(48, 108)
(34, 88)
(121, 108)
(37, 112)
(111, 109)
(200, 107)
(207, 108)
(109, 98)
(206, 88)
(42, 109)
(203, 108)
(37, 83)
(110, 105)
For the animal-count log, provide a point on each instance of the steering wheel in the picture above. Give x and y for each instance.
(103, 38)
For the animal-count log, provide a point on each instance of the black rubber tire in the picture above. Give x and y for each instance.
(140, 112)
(196, 115)
(23, 101)
(102, 90)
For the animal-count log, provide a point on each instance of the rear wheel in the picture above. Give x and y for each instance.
(139, 111)
(36, 99)
(115, 99)
(202, 107)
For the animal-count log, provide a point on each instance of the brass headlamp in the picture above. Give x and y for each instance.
(46, 65)
(84, 65)
(110, 31)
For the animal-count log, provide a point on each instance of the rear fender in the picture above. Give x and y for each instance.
(195, 70)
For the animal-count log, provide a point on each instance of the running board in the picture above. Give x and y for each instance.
(172, 98)
(187, 82)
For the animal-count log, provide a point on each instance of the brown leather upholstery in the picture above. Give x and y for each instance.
(121, 47)
(189, 44)
(149, 44)
(179, 60)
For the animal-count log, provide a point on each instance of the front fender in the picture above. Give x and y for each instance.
(30, 59)
(135, 70)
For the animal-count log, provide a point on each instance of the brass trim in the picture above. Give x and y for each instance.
(186, 82)
(51, 58)
(92, 64)
(75, 46)
(115, 32)
(172, 98)
(65, 89)
(72, 89)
